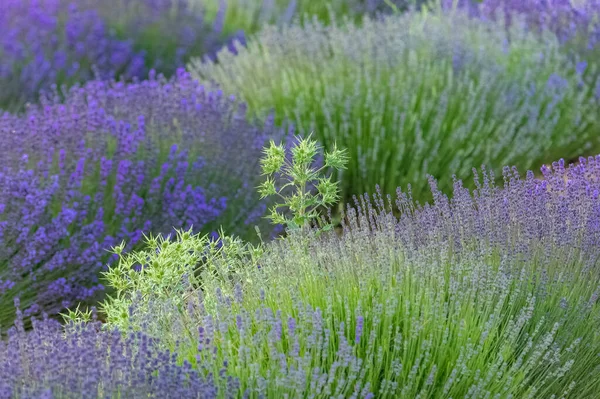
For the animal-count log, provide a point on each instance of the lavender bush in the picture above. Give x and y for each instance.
(115, 161)
(490, 293)
(170, 31)
(574, 21)
(46, 42)
(80, 361)
(416, 93)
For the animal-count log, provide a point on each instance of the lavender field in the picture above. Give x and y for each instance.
(300, 199)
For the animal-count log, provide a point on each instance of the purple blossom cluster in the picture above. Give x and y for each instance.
(46, 42)
(112, 162)
(532, 216)
(82, 361)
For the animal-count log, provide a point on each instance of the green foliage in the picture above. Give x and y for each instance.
(169, 271)
(300, 175)
(416, 94)
(78, 315)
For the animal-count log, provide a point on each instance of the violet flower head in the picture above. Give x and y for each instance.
(359, 329)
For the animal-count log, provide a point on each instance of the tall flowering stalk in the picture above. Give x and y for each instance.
(112, 162)
(419, 93)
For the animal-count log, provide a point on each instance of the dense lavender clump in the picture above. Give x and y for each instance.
(112, 162)
(47, 42)
(491, 293)
(419, 93)
(80, 361)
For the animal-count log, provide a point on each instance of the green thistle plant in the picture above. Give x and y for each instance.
(305, 189)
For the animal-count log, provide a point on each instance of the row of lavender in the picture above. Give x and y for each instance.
(63, 42)
(109, 161)
(420, 93)
(48, 42)
(491, 293)
(113, 161)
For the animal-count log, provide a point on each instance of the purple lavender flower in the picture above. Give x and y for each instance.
(111, 162)
(359, 329)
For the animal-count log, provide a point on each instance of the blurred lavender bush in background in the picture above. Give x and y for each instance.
(66, 41)
(46, 42)
(575, 22)
(170, 31)
(251, 16)
(419, 93)
(112, 162)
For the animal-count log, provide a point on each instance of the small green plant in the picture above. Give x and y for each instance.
(169, 271)
(304, 190)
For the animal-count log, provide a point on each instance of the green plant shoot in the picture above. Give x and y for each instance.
(304, 186)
